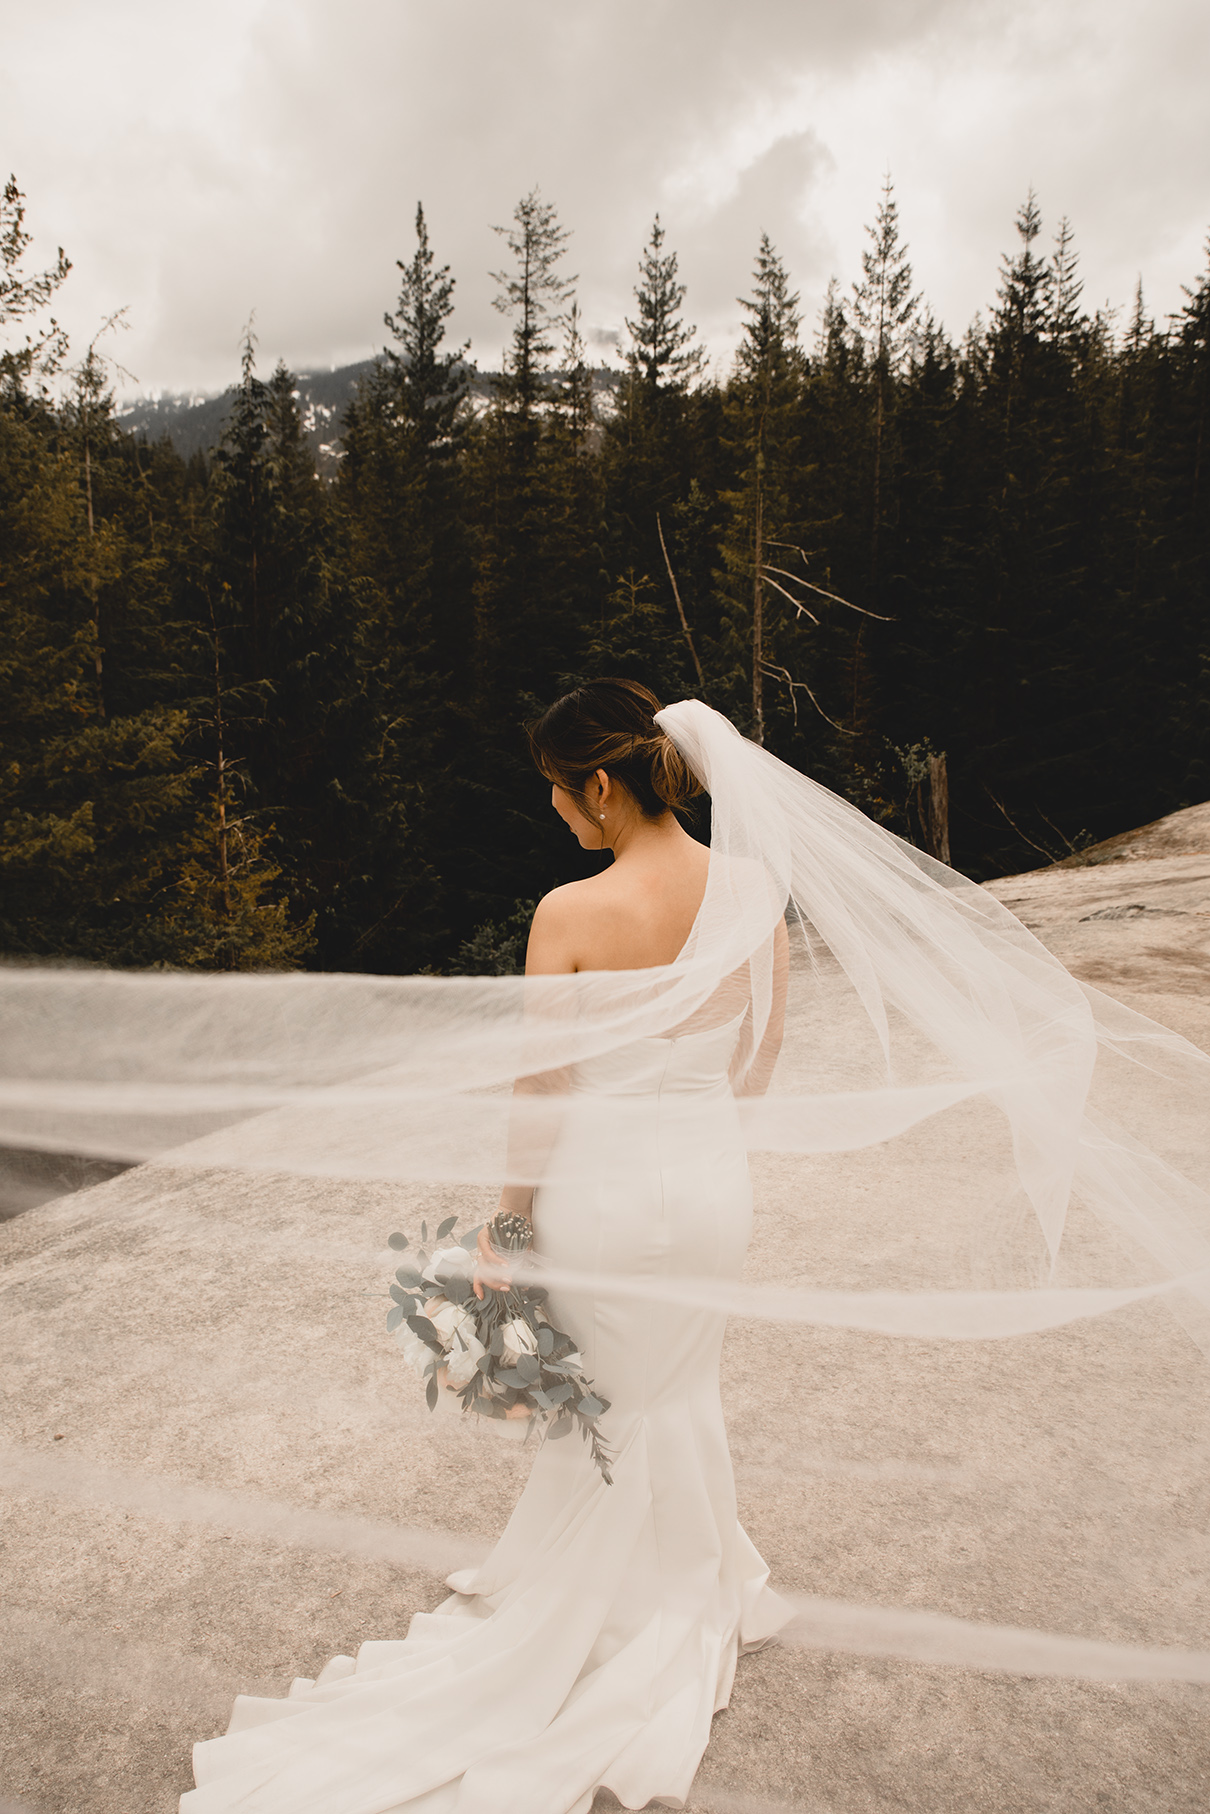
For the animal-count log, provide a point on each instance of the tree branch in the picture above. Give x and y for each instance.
(811, 587)
(701, 678)
(796, 602)
(783, 674)
(1024, 836)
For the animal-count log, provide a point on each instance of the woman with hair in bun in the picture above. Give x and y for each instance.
(592, 1648)
(650, 1179)
(595, 1644)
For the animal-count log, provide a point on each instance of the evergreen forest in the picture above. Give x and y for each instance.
(255, 718)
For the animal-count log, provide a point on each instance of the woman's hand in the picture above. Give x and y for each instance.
(490, 1270)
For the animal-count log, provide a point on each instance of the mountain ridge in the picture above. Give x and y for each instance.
(194, 423)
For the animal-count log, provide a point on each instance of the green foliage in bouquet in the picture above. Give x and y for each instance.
(501, 1355)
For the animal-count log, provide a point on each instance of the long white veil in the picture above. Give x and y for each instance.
(960, 1142)
(921, 1011)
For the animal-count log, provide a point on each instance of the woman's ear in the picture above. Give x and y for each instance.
(604, 785)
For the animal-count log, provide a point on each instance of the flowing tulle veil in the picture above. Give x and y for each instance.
(926, 1000)
(1028, 1152)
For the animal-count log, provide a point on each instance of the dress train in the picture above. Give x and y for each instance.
(595, 1644)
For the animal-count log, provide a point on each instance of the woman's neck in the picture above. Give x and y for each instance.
(639, 839)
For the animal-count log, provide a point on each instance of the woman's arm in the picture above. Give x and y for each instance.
(531, 1135)
(760, 1071)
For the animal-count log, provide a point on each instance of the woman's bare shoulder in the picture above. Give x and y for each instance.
(568, 901)
(561, 918)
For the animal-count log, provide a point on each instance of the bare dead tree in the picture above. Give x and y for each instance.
(1024, 836)
(680, 609)
(764, 577)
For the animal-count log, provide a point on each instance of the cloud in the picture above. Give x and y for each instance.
(268, 154)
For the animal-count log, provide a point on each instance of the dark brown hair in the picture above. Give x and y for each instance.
(610, 724)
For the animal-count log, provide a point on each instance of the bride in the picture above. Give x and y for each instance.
(594, 1645)
(599, 1638)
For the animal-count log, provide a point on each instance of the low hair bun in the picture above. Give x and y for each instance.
(610, 724)
(672, 779)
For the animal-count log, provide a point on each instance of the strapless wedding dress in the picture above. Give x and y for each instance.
(598, 1640)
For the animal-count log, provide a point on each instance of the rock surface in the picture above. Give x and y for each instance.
(216, 1476)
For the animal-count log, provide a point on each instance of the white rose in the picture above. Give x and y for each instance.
(417, 1354)
(449, 1261)
(464, 1356)
(449, 1320)
(518, 1338)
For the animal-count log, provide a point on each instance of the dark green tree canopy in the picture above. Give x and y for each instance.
(662, 355)
(250, 717)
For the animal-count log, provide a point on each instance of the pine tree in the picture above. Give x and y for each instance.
(654, 440)
(663, 356)
(525, 591)
(1066, 288)
(1186, 464)
(23, 297)
(535, 292)
(537, 569)
(1026, 293)
(93, 809)
(429, 383)
(765, 504)
(885, 311)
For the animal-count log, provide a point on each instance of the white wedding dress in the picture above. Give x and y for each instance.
(595, 1644)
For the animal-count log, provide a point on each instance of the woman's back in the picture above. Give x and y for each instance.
(635, 915)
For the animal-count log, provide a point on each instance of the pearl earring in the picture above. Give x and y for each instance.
(602, 815)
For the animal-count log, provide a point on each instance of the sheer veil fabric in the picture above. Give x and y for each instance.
(929, 1002)
(1068, 1133)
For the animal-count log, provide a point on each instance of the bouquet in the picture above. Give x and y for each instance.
(501, 1355)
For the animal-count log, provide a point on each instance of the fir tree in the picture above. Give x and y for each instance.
(663, 356)
(535, 292)
(653, 439)
(24, 296)
(765, 506)
(885, 311)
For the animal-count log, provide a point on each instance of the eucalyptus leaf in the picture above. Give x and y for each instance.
(430, 1393)
(408, 1275)
(484, 1363)
(559, 1395)
(546, 1340)
(420, 1325)
(458, 1289)
(590, 1406)
(447, 1227)
(562, 1426)
(398, 1242)
(424, 1231)
(394, 1318)
(406, 1298)
(509, 1376)
(529, 1367)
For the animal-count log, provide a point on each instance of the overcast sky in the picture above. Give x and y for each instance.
(206, 159)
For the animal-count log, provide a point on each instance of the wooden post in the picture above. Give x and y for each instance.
(937, 827)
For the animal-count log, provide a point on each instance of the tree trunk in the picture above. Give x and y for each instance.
(758, 620)
(96, 600)
(937, 824)
(877, 518)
